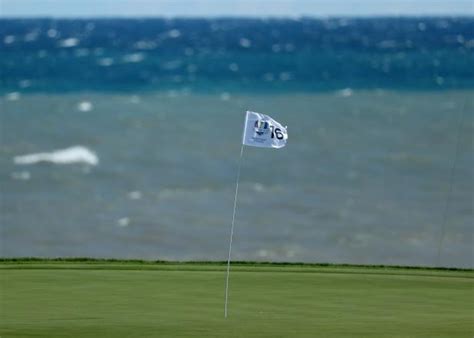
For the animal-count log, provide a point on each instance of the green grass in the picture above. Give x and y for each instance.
(90, 298)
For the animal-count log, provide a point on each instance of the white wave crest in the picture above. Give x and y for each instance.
(70, 42)
(76, 154)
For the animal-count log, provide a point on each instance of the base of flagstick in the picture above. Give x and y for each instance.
(232, 232)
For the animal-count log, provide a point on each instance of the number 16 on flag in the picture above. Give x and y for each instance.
(261, 130)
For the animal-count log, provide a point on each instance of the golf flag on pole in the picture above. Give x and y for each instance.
(261, 130)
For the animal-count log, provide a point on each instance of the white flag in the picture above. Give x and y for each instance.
(261, 130)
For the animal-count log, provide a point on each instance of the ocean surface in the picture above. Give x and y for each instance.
(121, 138)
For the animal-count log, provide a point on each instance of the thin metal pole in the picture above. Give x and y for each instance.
(232, 232)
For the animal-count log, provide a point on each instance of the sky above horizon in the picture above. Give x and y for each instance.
(245, 8)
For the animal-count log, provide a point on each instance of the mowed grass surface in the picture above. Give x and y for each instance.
(54, 299)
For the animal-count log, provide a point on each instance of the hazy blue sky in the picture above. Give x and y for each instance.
(170, 8)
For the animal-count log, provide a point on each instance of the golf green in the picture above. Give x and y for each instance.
(134, 299)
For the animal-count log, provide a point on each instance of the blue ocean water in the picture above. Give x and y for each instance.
(242, 54)
(378, 166)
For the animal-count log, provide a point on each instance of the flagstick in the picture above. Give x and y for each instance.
(232, 232)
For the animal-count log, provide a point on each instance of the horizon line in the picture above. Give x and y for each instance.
(264, 17)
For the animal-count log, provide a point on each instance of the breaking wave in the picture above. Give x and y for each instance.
(72, 155)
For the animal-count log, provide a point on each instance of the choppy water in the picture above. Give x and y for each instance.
(237, 54)
(373, 109)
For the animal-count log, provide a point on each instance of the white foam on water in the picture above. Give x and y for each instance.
(105, 62)
(123, 222)
(68, 43)
(133, 58)
(346, 92)
(245, 43)
(234, 67)
(72, 155)
(145, 45)
(135, 195)
(174, 33)
(85, 106)
(52, 33)
(9, 39)
(14, 96)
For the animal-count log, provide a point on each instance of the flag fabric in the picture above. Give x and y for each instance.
(261, 130)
